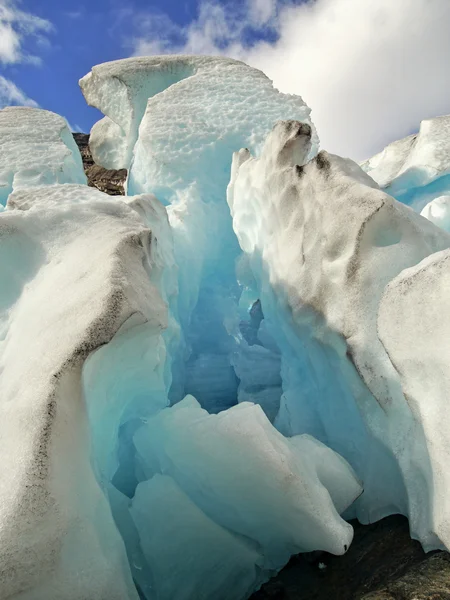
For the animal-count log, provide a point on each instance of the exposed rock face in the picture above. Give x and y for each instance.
(382, 563)
(108, 181)
(430, 580)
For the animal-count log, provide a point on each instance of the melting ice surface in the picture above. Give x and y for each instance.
(200, 379)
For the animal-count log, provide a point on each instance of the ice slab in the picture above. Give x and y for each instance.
(74, 282)
(323, 242)
(258, 369)
(191, 93)
(415, 333)
(36, 148)
(189, 555)
(248, 478)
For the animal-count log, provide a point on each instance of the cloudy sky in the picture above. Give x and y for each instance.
(369, 69)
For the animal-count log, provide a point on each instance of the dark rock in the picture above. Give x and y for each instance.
(383, 563)
(82, 141)
(430, 580)
(109, 181)
(256, 314)
(272, 590)
(249, 329)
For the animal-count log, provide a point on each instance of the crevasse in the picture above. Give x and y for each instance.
(219, 368)
(217, 356)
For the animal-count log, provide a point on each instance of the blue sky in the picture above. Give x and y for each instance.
(371, 70)
(84, 33)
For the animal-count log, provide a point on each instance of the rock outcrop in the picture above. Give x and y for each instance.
(109, 181)
(383, 563)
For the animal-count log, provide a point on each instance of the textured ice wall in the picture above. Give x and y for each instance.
(416, 169)
(323, 242)
(75, 285)
(414, 329)
(37, 148)
(174, 122)
(121, 89)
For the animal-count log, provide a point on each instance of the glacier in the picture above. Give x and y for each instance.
(321, 295)
(218, 370)
(73, 275)
(415, 170)
(37, 148)
(212, 103)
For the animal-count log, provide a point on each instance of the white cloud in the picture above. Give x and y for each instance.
(15, 27)
(370, 70)
(216, 30)
(262, 11)
(11, 95)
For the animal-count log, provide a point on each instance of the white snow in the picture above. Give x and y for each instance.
(36, 148)
(415, 170)
(438, 212)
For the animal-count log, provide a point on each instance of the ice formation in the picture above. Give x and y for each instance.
(206, 376)
(256, 497)
(325, 243)
(438, 212)
(415, 170)
(74, 278)
(406, 315)
(36, 148)
(180, 120)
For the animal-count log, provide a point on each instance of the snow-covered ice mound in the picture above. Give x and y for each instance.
(211, 101)
(74, 272)
(36, 148)
(323, 241)
(416, 169)
(416, 160)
